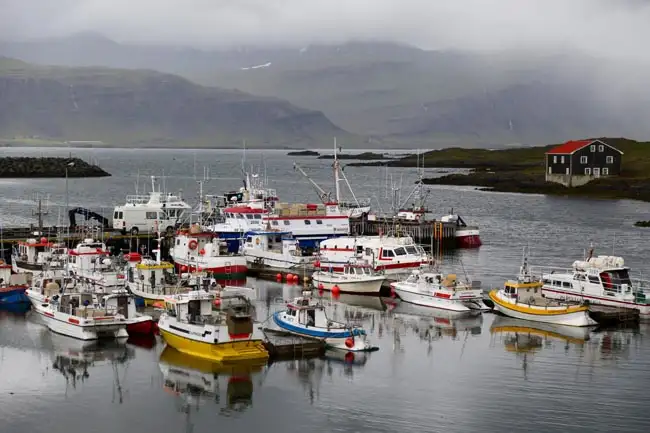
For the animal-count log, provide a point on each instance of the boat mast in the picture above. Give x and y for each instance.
(321, 192)
(336, 174)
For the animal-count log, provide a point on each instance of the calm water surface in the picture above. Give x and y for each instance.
(431, 373)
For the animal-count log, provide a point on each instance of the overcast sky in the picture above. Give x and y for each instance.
(602, 27)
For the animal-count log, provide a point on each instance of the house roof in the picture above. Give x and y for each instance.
(572, 146)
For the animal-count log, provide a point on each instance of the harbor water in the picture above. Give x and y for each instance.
(433, 372)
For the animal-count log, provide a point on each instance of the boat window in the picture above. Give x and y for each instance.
(240, 216)
(387, 253)
(249, 239)
(275, 222)
(421, 250)
(249, 216)
(115, 215)
(546, 281)
(257, 216)
(566, 284)
(400, 251)
(594, 280)
(359, 249)
(307, 222)
(557, 283)
(287, 222)
(412, 250)
(311, 317)
(151, 215)
(278, 239)
(369, 251)
(319, 221)
(178, 241)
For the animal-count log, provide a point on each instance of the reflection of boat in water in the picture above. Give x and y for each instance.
(449, 322)
(545, 331)
(195, 377)
(356, 359)
(370, 302)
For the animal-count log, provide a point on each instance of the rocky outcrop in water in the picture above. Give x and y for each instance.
(26, 167)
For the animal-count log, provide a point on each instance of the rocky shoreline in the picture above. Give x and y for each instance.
(48, 167)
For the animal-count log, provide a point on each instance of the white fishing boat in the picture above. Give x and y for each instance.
(303, 316)
(197, 250)
(357, 278)
(275, 250)
(437, 290)
(392, 255)
(121, 302)
(189, 326)
(36, 255)
(90, 260)
(308, 223)
(149, 212)
(601, 280)
(74, 314)
(523, 299)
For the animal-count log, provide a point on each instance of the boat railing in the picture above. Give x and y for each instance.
(540, 271)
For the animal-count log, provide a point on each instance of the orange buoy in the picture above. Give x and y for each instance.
(349, 342)
(217, 302)
(278, 276)
(202, 251)
(317, 264)
(321, 287)
(336, 290)
(43, 240)
(295, 278)
(183, 268)
(289, 278)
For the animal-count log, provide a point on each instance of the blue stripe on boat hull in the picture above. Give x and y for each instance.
(312, 332)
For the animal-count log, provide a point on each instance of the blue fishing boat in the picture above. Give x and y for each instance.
(12, 287)
(306, 317)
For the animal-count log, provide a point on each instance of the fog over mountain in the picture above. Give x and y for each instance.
(409, 72)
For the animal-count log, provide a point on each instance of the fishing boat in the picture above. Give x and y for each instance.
(36, 255)
(198, 250)
(303, 316)
(357, 278)
(90, 261)
(392, 255)
(308, 223)
(355, 208)
(275, 250)
(523, 299)
(12, 286)
(437, 290)
(74, 314)
(466, 236)
(601, 280)
(188, 325)
(149, 212)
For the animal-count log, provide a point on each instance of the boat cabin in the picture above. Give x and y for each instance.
(119, 302)
(193, 243)
(276, 242)
(301, 311)
(150, 274)
(39, 252)
(518, 289)
(7, 279)
(192, 307)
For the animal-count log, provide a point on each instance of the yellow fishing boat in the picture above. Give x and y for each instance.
(523, 299)
(189, 325)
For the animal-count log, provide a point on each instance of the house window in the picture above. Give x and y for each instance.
(583, 159)
(567, 170)
(562, 159)
(605, 171)
(550, 170)
(587, 172)
(610, 160)
(554, 159)
(601, 148)
(592, 148)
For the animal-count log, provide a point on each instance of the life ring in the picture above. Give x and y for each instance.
(193, 244)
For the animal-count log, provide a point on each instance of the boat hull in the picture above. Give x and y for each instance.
(142, 325)
(326, 281)
(13, 296)
(279, 263)
(336, 340)
(60, 323)
(233, 351)
(468, 239)
(427, 300)
(519, 311)
(235, 271)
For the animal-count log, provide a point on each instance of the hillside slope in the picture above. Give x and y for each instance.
(142, 107)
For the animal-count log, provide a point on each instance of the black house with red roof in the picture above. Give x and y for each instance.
(575, 163)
